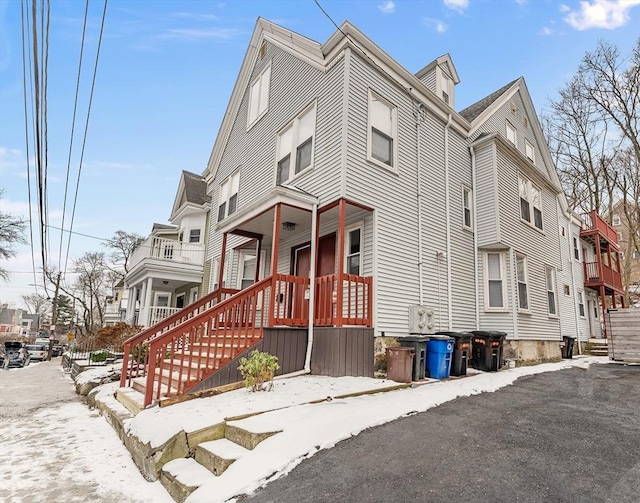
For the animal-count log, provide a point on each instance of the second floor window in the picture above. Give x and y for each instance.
(521, 270)
(228, 200)
(466, 206)
(295, 146)
(576, 251)
(194, 236)
(383, 130)
(580, 305)
(530, 202)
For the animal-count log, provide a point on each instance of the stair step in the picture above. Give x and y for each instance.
(132, 399)
(218, 455)
(247, 434)
(182, 476)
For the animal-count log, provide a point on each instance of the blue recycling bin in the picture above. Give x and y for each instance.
(439, 352)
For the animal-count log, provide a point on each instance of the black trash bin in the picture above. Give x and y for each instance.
(419, 345)
(461, 352)
(486, 350)
(567, 346)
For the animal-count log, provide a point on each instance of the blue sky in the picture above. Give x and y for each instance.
(166, 72)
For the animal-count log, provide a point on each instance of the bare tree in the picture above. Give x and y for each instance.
(38, 304)
(123, 243)
(12, 230)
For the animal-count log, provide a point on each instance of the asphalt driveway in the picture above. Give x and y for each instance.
(565, 436)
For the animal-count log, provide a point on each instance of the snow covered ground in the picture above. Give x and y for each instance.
(56, 449)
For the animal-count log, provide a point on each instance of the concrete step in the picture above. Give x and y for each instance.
(218, 455)
(132, 399)
(248, 434)
(182, 476)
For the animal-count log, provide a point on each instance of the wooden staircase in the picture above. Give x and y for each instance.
(597, 347)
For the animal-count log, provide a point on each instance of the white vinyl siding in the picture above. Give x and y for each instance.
(495, 286)
(383, 131)
(295, 146)
(259, 97)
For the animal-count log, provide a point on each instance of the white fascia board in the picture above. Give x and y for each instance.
(491, 109)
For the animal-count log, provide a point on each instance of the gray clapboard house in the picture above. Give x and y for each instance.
(348, 193)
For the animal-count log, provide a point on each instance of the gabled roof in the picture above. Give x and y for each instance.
(444, 60)
(473, 111)
(192, 193)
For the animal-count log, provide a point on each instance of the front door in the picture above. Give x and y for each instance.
(302, 267)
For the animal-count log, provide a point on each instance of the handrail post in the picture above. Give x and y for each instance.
(274, 260)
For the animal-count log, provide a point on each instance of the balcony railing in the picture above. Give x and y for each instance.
(594, 222)
(601, 274)
(168, 249)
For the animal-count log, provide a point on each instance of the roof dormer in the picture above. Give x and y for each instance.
(441, 77)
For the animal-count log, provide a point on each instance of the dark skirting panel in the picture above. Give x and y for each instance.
(346, 351)
(288, 344)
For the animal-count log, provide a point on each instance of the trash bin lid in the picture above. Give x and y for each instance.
(413, 338)
(489, 334)
(456, 335)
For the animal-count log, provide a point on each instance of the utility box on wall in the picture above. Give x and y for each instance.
(421, 320)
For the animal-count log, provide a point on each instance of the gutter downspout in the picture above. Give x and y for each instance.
(418, 114)
(312, 286)
(448, 219)
(475, 235)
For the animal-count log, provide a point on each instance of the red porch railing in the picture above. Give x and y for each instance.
(594, 222)
(608, 276)
(343, 299)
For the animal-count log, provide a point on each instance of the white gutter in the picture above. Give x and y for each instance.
(312, 286)
(475, 235)
(448, 218)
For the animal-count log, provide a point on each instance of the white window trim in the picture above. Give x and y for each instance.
(576, 249)
(510, 128)
(529, 147)
(470, 203)
(526, 284)
(503, 275)
(258, 82)
(242, 254)
(581, 303)
(529, 198)
(441, 78)
(199, 235)
(616, 220)
(347, 230)
(295, 143)
(228, 187)
(555, 290)
(193, 294)
(394, 127)
(157, 295)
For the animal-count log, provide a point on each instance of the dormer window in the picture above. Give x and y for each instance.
(445, 85)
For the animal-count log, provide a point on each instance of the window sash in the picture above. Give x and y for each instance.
(283, 170)
(495, 283)
(551, 290)
(259, 96)
(580, 305)
(354, 251)
(296, 139)
(511, 133)
(521, 274)
(303, 155)
(194, 236)
(529, 150)
(381, 147)
(466, 204)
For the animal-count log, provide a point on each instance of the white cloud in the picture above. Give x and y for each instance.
(457, 5)
(522, 2)
(201, 34)
(546, 31)
(564, 8)
(387, 7)
(608, 14)
(435, 24)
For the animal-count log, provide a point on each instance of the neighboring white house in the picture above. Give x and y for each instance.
(167, 268)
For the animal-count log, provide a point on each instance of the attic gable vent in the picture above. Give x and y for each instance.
(263, 50)
(513, 108)
(526, 122)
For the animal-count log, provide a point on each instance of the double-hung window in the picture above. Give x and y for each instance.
(295, 146)
(228, 200)
(466, 207)
(528, 149)
(383, 131)
(511, 133)
(576, 251)
(194, 236)
(259, 96)
(530, 202)
(550, 274)
(521, 273)
(495, 294)
(580, 305)
(353, 250)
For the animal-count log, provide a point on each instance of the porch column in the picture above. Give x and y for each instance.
(274, 260)
(599, 259)
(342, 216)
(256, 277)
(314, 239)
(223, 253)
(603, 305)
(148, 290)
(131, 299)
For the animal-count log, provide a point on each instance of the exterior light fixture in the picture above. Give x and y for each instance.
(288, 226)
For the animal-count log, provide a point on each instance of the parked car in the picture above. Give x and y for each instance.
(13, 354)
(37, 352)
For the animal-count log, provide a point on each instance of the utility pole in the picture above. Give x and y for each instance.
(54, 317)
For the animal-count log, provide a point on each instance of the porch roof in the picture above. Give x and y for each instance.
(257, 218)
